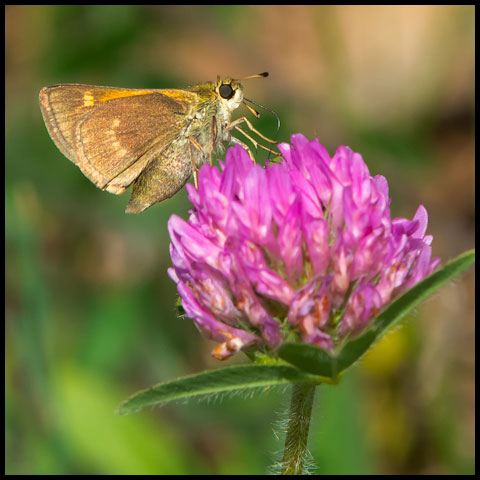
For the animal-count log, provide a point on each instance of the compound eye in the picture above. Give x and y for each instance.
(226, 91)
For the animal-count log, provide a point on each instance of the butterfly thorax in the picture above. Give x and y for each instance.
(210, 114)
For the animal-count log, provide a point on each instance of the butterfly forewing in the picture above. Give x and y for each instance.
(63, 105)
(111, 133)
(125, 134)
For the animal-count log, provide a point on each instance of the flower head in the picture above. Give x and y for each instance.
(304, 250)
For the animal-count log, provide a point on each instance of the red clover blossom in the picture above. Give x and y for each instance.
(304, 250)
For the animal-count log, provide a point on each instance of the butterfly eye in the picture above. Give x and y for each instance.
(226, 91)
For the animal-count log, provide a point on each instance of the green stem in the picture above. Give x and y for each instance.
(295, 453)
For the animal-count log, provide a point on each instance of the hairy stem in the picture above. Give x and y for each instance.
(300, 413)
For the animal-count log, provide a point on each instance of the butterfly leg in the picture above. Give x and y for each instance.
(193, 142)
(213, 136)
(246, 147)
(235, 125)
(240, 120)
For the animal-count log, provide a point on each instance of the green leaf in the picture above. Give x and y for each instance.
(354, 349)
(321, 362)
(309, 358)
(212, 382)
(410, 299)
(318, 361)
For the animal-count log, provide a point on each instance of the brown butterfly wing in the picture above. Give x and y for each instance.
(63, 105)
(111, 133)
(120, 137)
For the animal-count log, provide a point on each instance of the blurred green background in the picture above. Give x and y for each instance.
(90, 310)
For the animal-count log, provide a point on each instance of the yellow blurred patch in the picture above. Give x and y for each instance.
(388, 353)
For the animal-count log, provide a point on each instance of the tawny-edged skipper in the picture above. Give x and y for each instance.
(154, 139)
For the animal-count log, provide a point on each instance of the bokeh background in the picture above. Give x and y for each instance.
(90, 310)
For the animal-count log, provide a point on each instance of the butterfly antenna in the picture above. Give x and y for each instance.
(257, 75)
